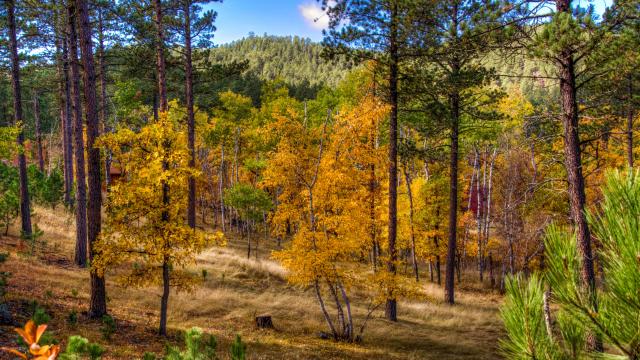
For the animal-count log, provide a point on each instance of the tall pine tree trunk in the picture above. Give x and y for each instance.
(98, 307)
(449, 296)
(164, 107)
(25, 206)
(188, 70)
(573, 165)
(78, 133)
(391, 303)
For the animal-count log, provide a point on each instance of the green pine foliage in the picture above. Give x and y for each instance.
(523, 317)
(617, 227)
(79, 348)
(198, 346)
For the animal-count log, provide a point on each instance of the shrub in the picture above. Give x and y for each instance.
(238, 349)
(108, 327)
(72, 318)
(80, 348)
(9, 196)
(40, 316)
(4, 277)
(197, 347)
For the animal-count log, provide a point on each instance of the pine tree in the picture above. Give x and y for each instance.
(196, 27)
(78, 135)
(161, 247)
(25, 208)
(616, 226)
(378, 31)
(451, 86)
(98, 305)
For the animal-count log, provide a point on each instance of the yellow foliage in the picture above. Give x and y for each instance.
(143, 227)
(331, 191)
(8, 143)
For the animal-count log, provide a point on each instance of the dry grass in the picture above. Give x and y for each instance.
(235, 290)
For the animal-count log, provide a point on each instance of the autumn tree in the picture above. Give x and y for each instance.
(145, 225)
(325, 183)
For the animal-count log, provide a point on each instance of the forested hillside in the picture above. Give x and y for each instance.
(296, 61)
(465, 186)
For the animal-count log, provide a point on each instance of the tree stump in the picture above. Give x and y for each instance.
(264, 322)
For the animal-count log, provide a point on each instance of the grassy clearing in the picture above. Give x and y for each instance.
(235, 290)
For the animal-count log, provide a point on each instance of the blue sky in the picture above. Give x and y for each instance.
(236, 18)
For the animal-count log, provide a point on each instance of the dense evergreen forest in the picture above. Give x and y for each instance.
(431, 178)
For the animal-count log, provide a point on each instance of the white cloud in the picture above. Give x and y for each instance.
(314, 16)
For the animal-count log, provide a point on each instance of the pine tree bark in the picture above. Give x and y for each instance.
(573, 165)
(391, 303)
(449, 297)
(25, 206)
(78, 133)
(98, 307)
(163, 108)
(188, 69)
